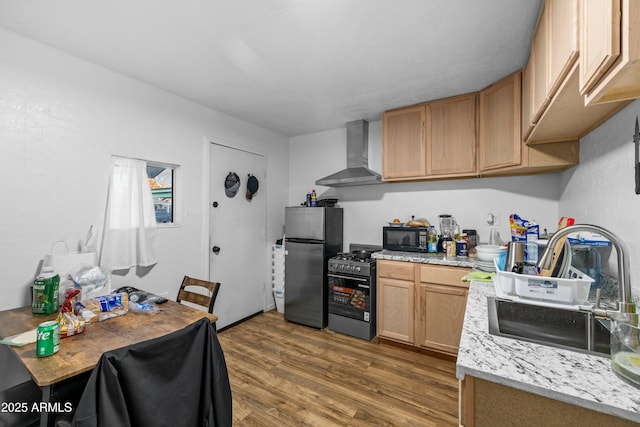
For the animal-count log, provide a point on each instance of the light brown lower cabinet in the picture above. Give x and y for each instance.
(487, 404)
(395, 309)
(441, 314)
(421, 305)
(396, 296)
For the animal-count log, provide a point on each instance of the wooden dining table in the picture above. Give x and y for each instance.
(80, 353)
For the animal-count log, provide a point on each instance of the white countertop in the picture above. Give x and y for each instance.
(438, 259)
(576, 378)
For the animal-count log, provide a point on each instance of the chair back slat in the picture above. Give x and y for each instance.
(207, 300)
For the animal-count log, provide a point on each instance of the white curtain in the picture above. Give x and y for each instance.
(130, 223)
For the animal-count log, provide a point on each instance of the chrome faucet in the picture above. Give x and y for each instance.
(625, 301)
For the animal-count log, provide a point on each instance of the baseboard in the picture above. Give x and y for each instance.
(240, 321)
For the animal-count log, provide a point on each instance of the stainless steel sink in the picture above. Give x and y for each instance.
(579, 331)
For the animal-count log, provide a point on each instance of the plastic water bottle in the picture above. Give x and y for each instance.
(432, 243)
(45, 292)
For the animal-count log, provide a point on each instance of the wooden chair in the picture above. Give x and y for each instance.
(198, 298)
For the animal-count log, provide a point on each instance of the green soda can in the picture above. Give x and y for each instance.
(48, 341)
(45, 292)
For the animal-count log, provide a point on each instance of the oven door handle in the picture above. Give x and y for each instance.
(359, 279)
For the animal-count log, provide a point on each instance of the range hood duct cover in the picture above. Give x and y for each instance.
(357, 171)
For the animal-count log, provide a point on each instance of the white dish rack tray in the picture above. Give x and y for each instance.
(573, 290)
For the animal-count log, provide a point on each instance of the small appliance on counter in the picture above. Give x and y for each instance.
(351, 278)
(448, 227)
(405, 239)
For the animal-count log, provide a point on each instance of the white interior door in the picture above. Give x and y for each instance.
(237, 228)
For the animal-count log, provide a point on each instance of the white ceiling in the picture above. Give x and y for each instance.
(292, 66)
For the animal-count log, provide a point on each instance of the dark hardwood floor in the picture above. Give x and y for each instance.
(283, 374)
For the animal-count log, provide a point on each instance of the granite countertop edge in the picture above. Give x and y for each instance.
(424, 258)
(571, 377)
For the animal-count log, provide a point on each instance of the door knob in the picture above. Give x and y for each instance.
(216, 250)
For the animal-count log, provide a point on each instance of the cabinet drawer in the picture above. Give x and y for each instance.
(395, 270)
(444, 275)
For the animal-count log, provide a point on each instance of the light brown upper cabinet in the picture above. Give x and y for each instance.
(554, 50)
(403, 143)
(502, 150)
(451, 136)
(432, 140)
(599, 41)
(499, 134)
(609, 50)
(553, 109)
(540, 67)
(562, 39)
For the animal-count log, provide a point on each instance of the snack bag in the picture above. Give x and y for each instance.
(526, 231)
(70, 324)
(522, 229)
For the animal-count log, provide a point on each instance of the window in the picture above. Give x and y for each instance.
(161, 181)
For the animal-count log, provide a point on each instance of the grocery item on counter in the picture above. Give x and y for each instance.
(70, 323)
(103, 307)
(526, 231)
(461, 248)
(420, 222)
(432, 242)
(522, 229)
(48, 340)
(450, 249)
(45, 292)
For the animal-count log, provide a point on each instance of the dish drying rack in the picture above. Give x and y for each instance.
(573, 290)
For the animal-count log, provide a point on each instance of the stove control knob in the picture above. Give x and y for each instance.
(357, 268)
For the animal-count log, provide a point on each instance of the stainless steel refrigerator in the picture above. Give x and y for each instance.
(312, 236)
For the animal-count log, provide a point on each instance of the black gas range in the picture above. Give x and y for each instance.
(351, 278)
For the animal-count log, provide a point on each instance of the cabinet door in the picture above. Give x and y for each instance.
(451, 136)
(500, 136)
(441, 314)
(539, 48)
(527, 96)
(395, 309)
(599, 40)
(403, 145)
(563, 41)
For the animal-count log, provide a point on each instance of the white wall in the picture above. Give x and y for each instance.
(368, 208)
(601, 190)
(61, 119)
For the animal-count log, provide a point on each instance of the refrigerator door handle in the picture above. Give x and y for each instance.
(306, 241)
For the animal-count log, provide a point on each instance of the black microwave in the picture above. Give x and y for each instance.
(407, 239)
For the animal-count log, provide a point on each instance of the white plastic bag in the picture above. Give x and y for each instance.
(63, 261)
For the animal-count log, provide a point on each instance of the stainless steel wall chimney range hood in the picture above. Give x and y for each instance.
(357, 171)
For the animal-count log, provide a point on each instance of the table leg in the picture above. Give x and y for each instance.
(46, 420)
